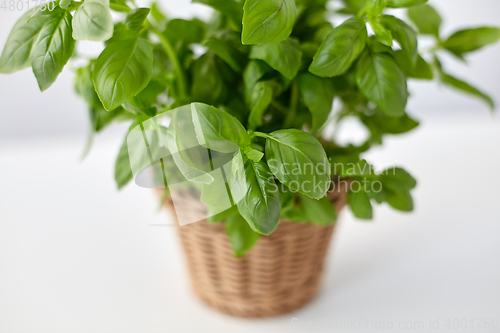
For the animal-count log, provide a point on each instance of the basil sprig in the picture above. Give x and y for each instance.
(259, 81)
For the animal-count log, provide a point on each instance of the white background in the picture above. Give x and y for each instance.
(77, 256)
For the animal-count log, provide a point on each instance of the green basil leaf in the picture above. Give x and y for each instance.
(299, 161)
(157, 13)
(382, 124)
(339, 50)
(218, 129)
(234, 58)
(467, 88)
(285, 57)
(383, 35)
(399, 200)
(123, 171)
(100, 118)
(148, 97)
(17, 50)
(136, 18)
(268, 21)
(215, 194)
(261, 205)
(118, 6)
(376, 192)
(462, 86)
(93, 21)
(320, 212)
(353, 6)
(222, 216)
(260, 99)
(253, 154)
(375, 7)
(64, 4)
(230, 8)
(208, 85)
(318, 94)
(471, 40)
(122, 70)
(421, 70)
(404, 34)
(53, 48)
(404, 3)
(397, 180)
(180, 141)
(426, 19)
(360, 204)
(179, 31)
(290, 209)
(254, 71)
(236, 107)
(359, 169)
(379, 78)
(85, 87)
(241, 236)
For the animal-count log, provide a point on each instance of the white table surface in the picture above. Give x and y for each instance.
(76, 256)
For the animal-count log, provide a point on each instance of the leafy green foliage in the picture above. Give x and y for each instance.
(469, 40)
(217, 129)
(123, 171)
(379, 124)
(398, 180)
(260, 99)
(466, 88)
(284, 57)
(318, 94)
(136, 18)
(261, 205)
(251, 103)
(339, 50)
(93, 21)
(52, 48)
(182, 33)
(427, 20)
(462, 86)
(64, 4)
(320, 212)
(268, 21)
(404, 34)
(379, 78)
(241, 236)
(230, 8)
(233, 57)
(299, 161)
(399, 200)
(208, 85)
(383, 35)
(253, 154)
(375, 7)
(122, 70)
(359, 202)
(17, 50)
(404, 3)
(419, 70)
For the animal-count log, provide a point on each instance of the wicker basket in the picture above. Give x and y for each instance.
(280, 274)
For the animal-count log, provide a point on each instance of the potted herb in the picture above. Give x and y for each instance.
(263, 80)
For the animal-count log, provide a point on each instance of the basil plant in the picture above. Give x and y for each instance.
(263, 75)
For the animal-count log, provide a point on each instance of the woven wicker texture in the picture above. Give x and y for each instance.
(280, 274)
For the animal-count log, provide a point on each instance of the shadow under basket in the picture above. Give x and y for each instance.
(280, 274)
